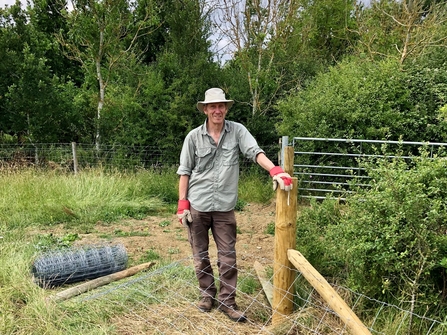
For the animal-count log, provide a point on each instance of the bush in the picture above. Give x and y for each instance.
(367, 100)
(389, 241)
(311, 230)
(393, 235)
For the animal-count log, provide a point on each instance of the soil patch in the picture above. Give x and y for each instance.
(165, 236)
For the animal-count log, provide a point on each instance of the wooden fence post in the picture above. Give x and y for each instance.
(285, 238)
(75, 157)
(289, 156)
(36, 156)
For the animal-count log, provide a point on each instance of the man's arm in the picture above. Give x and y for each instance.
(264, 161)
(183, 187)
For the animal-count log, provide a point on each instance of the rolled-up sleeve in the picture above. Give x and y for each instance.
(247, 143)
(186, 157)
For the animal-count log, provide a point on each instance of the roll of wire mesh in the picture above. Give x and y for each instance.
(60, 267)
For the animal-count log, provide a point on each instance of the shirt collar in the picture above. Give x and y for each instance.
(227, 127)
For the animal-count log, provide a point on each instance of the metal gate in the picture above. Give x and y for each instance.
(329, 167)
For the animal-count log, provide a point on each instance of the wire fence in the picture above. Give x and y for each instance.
(74, 156)
(163, 301)
(70, 156)
(60, 267)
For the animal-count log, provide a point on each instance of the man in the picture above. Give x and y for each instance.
(208, 188)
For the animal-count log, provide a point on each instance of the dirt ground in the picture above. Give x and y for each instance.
(165, 236)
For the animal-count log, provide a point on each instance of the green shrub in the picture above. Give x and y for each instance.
(393, 235)
(311, 230)
(388, 241)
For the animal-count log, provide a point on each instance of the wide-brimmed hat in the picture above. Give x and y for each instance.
(214, 95)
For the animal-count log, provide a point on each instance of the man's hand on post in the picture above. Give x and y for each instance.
(183, 212)
(281, 178)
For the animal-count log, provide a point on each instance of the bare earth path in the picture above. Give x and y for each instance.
(166, 237)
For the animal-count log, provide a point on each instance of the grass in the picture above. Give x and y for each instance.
(36, 198)
(31, 200)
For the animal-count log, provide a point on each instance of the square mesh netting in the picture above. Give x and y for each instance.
(60, 267)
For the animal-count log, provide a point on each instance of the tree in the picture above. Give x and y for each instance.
(35, 104)
(271, 38)
(13, 26)
(47, 18)
(249, 26)
(152, 104)
(401, 29)
(101, 36)
(369, 100)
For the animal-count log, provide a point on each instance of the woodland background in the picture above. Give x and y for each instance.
(130, 72)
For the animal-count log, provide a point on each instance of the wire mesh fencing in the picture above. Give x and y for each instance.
(74, 156)
(164, 300)
(72, 265)
(71, 156)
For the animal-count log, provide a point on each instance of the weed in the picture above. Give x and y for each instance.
(149, 256)
(248, 284)
(270, 228)
(240, 204)
(164, 223)
(50, 241)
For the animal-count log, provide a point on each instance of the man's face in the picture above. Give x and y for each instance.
(216, 112)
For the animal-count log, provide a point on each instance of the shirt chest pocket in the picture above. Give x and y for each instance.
(204, 159)
(230, 153)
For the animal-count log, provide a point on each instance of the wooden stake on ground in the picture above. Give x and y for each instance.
(101, 281)
(329, 295)
(266, 285)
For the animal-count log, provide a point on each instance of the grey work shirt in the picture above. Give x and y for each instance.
(213, 169)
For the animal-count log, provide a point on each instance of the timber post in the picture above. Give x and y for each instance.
(285, 239)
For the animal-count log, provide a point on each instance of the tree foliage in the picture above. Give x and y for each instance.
(101, 37)
(35, 103)
(316, 68)
(403, 30)
(361, 99)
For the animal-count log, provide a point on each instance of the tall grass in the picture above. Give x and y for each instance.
(32, 199)
(255, 186)
(36, 198)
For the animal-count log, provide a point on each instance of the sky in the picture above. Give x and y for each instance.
(6, 2)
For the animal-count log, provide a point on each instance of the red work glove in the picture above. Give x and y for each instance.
(281, 178)
(183, 213)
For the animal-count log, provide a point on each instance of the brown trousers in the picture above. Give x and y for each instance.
(223, 228)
